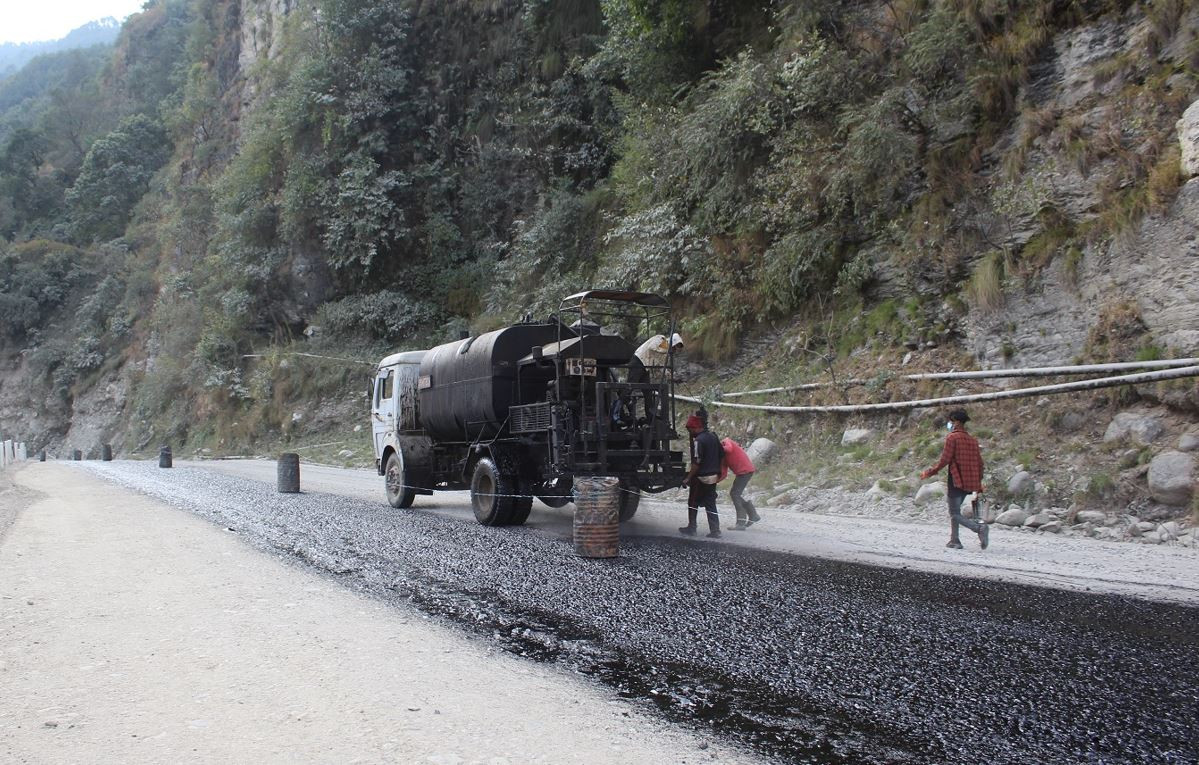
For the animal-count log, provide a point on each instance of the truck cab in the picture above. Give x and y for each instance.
(395, 414)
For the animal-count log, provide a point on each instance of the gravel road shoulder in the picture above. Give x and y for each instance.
(135, 632)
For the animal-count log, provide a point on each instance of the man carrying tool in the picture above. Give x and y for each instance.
(706, 456)
(965, 461)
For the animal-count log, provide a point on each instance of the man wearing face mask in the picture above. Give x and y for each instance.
(965, 461)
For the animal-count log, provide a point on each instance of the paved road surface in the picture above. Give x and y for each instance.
(1165, 573)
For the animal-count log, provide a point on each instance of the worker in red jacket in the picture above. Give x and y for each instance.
(736, 460)
(965, 461)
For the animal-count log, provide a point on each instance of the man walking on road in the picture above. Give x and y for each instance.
(706, 456)
(965, 461)
(736, 460)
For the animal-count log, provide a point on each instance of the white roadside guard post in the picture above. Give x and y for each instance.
(22, 452)
(4, 454)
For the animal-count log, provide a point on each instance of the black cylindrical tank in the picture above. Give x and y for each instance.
(467, 386)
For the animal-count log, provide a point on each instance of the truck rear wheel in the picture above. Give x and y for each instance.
(492, 495)
(520, 510)
(630, 498)
(399, 493)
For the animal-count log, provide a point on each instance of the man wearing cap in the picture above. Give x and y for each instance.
(706, 456)
(965, 461)
(650, 362)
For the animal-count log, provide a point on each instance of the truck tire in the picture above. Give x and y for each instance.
(630, 498)
(520, 511)
(399, 493)
(491, 494)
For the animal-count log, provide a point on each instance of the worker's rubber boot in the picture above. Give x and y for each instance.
(741, 526)
(689, 529)
(954, 542)
(713, 525)
(984, 536)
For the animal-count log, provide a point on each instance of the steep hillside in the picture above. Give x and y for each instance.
(1003, 179)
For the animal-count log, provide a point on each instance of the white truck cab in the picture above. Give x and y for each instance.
(394, 408)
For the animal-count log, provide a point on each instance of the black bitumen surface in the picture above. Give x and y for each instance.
(805, 660)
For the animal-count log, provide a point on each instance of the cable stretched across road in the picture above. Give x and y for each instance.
(890, 406)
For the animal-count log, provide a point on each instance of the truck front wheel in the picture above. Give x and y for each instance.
(492, 494)
(399, 493)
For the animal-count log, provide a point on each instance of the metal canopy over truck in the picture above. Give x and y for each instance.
(518, 412)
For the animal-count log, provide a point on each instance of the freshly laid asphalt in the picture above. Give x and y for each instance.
(804, 659)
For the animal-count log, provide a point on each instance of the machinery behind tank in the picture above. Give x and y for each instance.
(520, 411)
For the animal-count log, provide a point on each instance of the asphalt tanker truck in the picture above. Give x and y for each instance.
(521, 411)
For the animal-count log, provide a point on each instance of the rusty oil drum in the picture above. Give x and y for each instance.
(597, 517)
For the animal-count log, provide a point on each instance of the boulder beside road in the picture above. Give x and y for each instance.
(1188, 141)
(1013, 516)
(1040, 519)
(761, 451)
(1021, 483)
(1142, 428)
(1172, 478)
(928, 492)
(1097, 517)
(856, 436)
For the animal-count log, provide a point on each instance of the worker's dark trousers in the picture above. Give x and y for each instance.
(956, 518)
(703, 494)
(745, 509)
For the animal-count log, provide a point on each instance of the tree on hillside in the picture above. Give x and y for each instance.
(27, 195)
(116, 173)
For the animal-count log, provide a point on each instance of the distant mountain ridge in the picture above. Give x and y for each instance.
(13, 56)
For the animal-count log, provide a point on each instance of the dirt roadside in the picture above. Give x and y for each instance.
(134, 632)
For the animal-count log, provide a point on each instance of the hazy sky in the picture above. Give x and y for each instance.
(35, 20)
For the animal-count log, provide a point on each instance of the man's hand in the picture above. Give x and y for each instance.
(924, 474)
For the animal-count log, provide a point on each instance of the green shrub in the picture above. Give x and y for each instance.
(384, 315)
(1099, 485)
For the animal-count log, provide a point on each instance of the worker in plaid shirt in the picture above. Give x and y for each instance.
(965, 461)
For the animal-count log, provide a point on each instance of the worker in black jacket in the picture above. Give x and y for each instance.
(706, 455)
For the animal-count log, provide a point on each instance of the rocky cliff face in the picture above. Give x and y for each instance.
(260, 40)
(1089, 116)
(1153, 270)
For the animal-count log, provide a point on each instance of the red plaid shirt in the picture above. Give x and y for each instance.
(965, 461)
